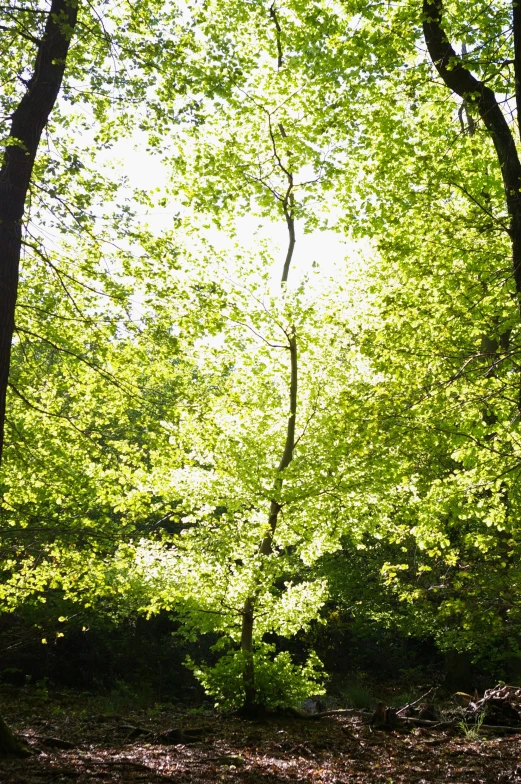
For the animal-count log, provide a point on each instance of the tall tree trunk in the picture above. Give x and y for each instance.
(28, 122)
(266, 545)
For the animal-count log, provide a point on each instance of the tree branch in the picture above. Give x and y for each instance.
(273, 14)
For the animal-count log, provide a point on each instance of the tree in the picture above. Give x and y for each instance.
(28, 121)
(273, 454)
(269, 425)
(447, 343)
(119, 54)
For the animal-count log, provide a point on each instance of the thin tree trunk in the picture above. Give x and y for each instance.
(266, 545)
(28, 121)
(247, 650)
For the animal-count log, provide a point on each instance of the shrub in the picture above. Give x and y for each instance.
(279, 682)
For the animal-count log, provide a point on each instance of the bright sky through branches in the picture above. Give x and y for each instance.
(323, 251)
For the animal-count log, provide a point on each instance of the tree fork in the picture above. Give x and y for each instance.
(28, 122)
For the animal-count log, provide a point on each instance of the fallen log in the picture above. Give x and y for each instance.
(456, 722)
(300, 714)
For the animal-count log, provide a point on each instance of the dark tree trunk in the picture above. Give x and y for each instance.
(459, 672)
(459, 79)
(28, 121)
(9, 745)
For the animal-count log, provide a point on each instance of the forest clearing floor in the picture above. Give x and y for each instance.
(73, 743)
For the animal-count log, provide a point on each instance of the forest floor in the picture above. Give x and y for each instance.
(73, 743)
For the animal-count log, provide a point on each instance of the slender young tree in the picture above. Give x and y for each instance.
(268, 459)
(248, 613)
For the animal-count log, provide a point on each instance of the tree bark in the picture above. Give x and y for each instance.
(28, 121)
(27, 124)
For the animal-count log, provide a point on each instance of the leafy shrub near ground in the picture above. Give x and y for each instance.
(279, 682)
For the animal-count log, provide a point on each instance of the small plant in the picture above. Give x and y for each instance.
(279, 682)
(470, 729)
(42, 688)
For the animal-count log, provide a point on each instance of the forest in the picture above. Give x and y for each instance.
(260, 391)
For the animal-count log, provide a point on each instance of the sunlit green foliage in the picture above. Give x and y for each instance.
(150, 379)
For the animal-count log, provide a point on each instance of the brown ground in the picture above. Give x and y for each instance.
(116, 748)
